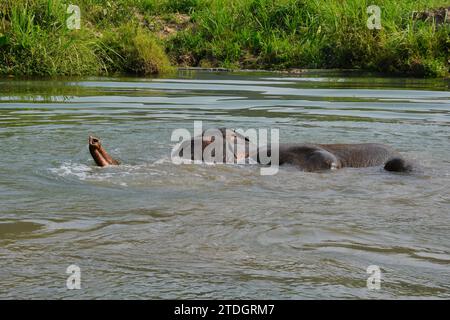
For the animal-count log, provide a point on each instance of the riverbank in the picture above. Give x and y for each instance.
(154, 36)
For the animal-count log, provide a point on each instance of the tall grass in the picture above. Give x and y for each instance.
(38, 42)
(136, 50)
(35, 40)
(124, 36)
(316, 34)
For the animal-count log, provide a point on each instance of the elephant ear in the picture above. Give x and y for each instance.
(238, 146)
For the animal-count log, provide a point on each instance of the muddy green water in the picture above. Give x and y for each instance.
(152, 229)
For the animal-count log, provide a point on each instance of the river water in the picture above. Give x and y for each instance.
(152, 229)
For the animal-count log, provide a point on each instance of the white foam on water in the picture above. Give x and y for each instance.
(69, 169)
(124, 175)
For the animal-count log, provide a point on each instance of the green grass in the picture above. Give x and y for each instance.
(316, 34)
(37, 42)
(134, 49)
(126, 36)
(34, 40)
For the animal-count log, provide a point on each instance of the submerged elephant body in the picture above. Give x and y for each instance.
(316, 157)
(307, 157)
